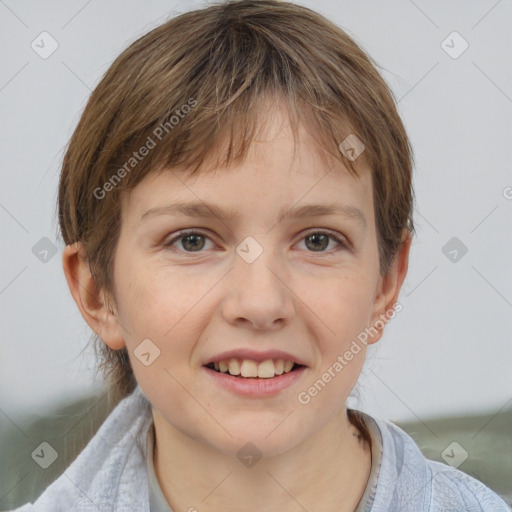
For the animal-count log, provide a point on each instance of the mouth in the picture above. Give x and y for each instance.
(250, 369)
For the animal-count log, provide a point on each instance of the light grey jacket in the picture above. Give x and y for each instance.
(111, 474)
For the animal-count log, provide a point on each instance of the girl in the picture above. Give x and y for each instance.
(236, 203)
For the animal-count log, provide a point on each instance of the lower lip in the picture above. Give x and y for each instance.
(256, 387)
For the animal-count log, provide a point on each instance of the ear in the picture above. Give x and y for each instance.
(90, 300)
(388, 289)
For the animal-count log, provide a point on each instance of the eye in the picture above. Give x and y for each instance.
(194, 241)
(191, 241)
(318, 241)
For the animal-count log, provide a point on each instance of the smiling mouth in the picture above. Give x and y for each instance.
(248, 369)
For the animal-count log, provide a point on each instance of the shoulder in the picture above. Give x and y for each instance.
(110, 471)
(454, 489)
(407, 481)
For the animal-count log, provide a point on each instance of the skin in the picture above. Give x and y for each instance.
(193, 305)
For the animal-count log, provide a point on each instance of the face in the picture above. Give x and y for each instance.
(254, 285)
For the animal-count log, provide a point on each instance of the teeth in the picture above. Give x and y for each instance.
(287, 366)
(234, 367)
(248, 368)
(266, 369)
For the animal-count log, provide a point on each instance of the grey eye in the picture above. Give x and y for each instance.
(192, 242)
(319, 241)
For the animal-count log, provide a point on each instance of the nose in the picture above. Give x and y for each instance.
(257, 295)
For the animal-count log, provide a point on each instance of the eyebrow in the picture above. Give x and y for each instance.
(204, 210)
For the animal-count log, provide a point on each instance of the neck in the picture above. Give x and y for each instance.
(327, 472)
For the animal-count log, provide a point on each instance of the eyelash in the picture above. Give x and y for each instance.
(182, 234)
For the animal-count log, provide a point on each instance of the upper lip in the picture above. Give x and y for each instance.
(245, 353)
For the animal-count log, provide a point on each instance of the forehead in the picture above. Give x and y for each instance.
(278, 173)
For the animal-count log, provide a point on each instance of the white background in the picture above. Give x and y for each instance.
(449, 351)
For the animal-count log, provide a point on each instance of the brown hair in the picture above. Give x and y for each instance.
(196, 84)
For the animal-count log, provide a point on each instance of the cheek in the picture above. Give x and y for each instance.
(344, 315)
(344, 305)
(159, 311)
(164, 306)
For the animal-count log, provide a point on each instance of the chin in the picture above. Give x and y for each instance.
(257, 439)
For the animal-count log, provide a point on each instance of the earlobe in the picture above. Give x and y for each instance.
(91, 301)
(388, 288)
